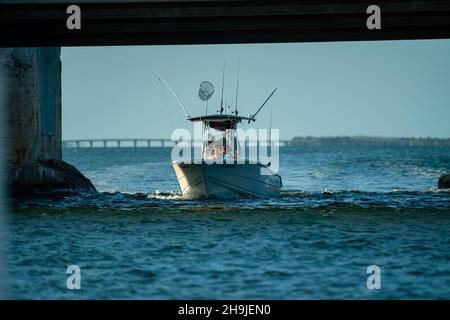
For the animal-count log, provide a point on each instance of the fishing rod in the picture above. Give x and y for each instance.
(252, 117)
(173, 92)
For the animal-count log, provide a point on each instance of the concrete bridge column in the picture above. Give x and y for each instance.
(32, 79)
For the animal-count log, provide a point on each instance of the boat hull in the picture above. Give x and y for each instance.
(201, 180)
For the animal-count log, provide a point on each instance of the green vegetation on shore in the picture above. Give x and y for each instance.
(367, 141)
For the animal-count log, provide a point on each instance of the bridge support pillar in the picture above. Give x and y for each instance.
(31, 80)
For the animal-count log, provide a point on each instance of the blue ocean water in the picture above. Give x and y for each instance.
(341, 210)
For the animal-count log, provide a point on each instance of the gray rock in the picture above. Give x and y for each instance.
(49, 176)
(444, 182)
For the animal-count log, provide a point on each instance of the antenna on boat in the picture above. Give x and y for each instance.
(223, 85)
(237, 89)
(173, 92)
(252, 117)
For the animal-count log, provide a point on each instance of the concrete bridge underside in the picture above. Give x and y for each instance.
(31, 76)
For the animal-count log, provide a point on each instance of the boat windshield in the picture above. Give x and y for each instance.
(220, 144)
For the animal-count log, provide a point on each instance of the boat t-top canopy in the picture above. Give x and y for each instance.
(219, 118)
(221, 121)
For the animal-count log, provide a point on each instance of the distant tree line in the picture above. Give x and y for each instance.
(367, 141)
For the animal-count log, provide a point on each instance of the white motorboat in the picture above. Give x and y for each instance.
(222, 171)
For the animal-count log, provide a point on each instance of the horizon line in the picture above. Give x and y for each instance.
(282, 139)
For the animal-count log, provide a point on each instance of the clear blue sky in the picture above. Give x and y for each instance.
(387, 88)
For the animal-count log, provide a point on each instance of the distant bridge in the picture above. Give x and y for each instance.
(132, 142)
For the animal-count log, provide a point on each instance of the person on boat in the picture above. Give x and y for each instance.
(214, 150)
